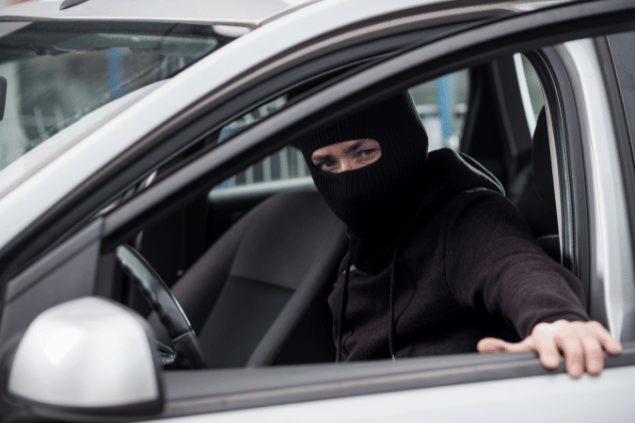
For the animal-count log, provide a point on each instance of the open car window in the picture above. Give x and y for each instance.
(247, 303)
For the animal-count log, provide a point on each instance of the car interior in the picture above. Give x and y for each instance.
(253, 262)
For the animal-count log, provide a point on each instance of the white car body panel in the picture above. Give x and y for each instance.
(231, 12)
(611, 251)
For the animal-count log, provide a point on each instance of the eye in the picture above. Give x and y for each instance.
(366, 152)
(326, 165)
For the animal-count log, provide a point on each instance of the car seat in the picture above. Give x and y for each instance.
(258, 295)
(535, 197)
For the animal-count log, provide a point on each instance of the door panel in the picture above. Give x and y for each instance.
(66, 273)
(554, 398)
(478, 382)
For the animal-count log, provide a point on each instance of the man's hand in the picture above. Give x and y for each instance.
(580, 342)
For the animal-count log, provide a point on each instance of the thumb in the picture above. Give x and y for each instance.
(494, 345)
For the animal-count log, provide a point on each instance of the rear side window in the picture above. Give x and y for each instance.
(285, 164)
(530, 90)
(441, 104)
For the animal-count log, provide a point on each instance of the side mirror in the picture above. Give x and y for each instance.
(87, 358)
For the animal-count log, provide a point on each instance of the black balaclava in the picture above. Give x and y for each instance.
(377, 201)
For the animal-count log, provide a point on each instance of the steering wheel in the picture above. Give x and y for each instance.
(187, 350)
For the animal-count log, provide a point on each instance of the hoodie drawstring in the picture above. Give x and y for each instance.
(391, 299)
(342, 308)
(391, 329)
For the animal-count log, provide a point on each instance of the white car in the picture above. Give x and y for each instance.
(146, 151)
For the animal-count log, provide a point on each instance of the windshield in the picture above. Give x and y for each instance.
(53, 74)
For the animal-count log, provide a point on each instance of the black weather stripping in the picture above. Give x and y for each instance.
(70, 3)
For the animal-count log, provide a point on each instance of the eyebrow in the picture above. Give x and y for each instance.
(321, 157)
(349, 149)
(355, 146)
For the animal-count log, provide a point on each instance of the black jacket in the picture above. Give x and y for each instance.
(466, 267)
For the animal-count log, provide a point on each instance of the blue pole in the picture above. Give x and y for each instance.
(115, 69)
(446, 107)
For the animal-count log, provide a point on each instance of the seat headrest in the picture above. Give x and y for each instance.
(541, 160)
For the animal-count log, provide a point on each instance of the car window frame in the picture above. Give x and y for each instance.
(267, 136)
(573, 215)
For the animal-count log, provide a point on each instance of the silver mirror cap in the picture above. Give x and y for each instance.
(87, 357)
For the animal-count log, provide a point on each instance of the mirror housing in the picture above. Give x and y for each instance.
(84, 359)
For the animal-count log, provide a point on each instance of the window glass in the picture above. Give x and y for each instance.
(284, 164)
(441, 104)
(55, 74)
(622, 52)
(530, 90)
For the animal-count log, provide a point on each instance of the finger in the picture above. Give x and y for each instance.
(610, 344)
(572, 350)
(495, 345)
(593, 356)
(548, 353)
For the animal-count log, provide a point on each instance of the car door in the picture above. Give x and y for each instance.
(585, 139)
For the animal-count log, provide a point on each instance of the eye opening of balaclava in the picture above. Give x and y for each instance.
(377, 201)
(346, 156)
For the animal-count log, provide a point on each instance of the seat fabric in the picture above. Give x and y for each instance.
(252, 288)
(537, 201)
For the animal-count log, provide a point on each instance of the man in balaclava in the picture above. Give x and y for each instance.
(438, 258)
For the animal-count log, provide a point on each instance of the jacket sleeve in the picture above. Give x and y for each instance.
(494, 263)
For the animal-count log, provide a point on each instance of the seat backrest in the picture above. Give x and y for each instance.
(537, 201)
(259, 280)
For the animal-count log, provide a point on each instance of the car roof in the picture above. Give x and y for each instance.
(251, 13)
(238, 12)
